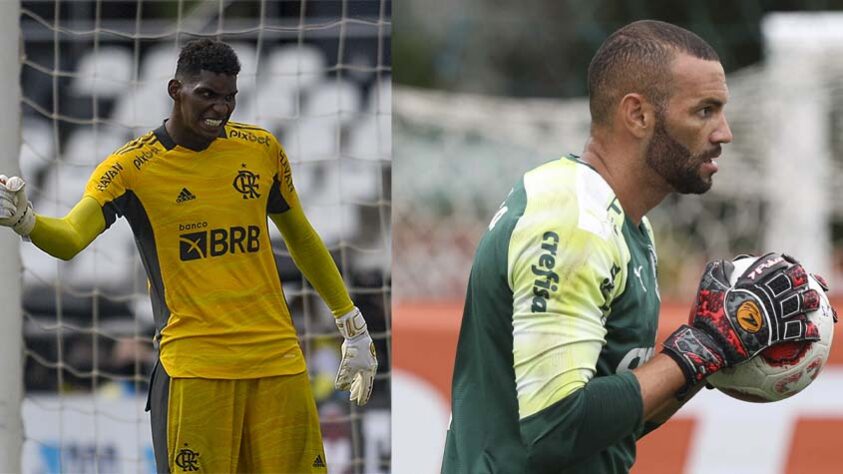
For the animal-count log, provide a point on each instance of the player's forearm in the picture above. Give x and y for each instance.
(669, 408)
(67, 236)
(313, 259)
(660, 378)
(315, 262)
(606, 410)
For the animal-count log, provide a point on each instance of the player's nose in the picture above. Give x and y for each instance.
(723, 133)
(222, 108)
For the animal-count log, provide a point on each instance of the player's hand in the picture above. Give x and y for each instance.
(730, 324)
(824, 285)
(359, 362)
(15, 209)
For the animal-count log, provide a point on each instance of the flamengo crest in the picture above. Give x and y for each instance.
(246, 183)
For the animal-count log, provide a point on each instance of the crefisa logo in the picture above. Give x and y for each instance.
(217, 242)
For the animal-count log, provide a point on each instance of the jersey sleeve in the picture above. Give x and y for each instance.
(566, 266)
(564, 275)
(305, 246)
(110, 180)
(282, 196)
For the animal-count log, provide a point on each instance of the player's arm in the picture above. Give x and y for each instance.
(359, 362)
(567, 414)
(313, 259)
(60, 237)
(660, 378)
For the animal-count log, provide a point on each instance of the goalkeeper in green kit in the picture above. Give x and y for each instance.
(556, 367)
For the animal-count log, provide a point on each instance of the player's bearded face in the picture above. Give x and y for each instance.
(675, 163)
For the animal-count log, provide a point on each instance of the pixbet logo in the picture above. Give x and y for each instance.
(217, 242)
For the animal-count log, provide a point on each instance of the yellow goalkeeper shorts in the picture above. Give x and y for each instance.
(267, 424)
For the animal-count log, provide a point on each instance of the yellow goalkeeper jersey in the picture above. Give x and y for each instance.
(200, 222)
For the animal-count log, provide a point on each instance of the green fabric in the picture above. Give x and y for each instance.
(484, 434)
(584, 431)
(562, 302)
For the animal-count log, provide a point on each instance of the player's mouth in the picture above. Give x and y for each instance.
(710, 166)
(211, 124)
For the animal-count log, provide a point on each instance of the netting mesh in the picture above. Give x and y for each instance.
(460, 154)
(94, 75)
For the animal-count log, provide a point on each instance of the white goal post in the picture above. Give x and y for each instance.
(83, 77)
(11, 350)
(803, 70)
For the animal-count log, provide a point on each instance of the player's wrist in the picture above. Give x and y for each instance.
(696, 353)
(352, 325)
(26, 223)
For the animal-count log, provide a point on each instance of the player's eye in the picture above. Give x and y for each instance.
(705, 112)
(207, 94)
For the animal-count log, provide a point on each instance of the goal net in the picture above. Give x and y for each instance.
(461, 153)
(93, 76)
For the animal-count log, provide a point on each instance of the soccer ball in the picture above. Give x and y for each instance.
(784, 369)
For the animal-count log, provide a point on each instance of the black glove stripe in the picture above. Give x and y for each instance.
(790, 305)
(779, 284)
(793, 330)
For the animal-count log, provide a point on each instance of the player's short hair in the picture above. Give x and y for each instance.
(637, 58)
(208, 55)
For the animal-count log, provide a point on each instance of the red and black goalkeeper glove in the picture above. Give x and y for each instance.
(729, 325)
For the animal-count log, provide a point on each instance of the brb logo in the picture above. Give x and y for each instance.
(217, 242)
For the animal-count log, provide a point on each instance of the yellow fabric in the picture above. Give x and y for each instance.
(65, 237)
(256, 425)
(206, 218)
(313, 259)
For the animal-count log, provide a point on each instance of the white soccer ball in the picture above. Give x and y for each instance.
(784, 369)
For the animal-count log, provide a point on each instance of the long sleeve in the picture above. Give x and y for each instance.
(604, 411)
(65, 237)
(313, 259)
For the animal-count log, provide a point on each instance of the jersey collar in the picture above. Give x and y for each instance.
(168, 142)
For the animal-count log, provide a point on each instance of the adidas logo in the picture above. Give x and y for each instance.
(318, 462)
(185, 195)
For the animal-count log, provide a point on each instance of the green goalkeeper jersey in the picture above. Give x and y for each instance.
(562, 303)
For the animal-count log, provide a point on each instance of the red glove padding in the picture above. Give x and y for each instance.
(730, 324)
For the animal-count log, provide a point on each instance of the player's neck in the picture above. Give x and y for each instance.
(627, 176)
(181, 135)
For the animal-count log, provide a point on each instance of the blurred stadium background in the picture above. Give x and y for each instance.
(93, 75)
(485, 90)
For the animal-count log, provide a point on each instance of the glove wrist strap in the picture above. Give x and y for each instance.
(351, 324)
(26, 223)
(695, 353)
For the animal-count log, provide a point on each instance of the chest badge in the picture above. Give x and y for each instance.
(246, 183)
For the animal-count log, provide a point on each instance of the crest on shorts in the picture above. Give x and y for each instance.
(187, 459)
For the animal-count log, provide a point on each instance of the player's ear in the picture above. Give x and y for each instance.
(173, 88)
(636, 114)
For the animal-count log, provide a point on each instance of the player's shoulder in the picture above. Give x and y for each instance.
(571, 193)
(248, 134)
(146, 141)
(138, 151)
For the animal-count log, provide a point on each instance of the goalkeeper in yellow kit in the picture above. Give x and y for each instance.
(230, 391)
